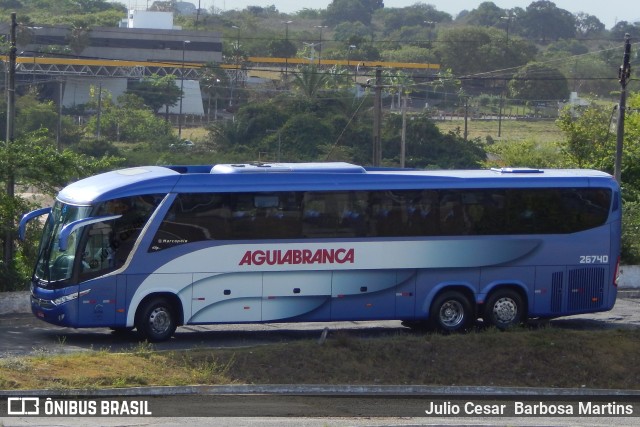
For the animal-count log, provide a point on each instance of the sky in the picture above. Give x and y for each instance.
(607, 11)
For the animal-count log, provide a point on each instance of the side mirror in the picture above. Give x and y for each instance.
(73, 226)
(22, 228)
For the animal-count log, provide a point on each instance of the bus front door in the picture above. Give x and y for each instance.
(98, 303)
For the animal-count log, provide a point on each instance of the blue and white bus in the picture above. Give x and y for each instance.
(153, 248)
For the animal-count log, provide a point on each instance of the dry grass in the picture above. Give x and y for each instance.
(102, 369)
(510, 130)
(195, 134)
(541, 358)
(527, 358)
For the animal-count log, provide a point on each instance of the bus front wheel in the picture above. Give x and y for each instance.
(451, 311)
(156, 320)
(504, 309)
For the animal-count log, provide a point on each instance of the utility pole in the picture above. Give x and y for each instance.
(184, 44)
(286, 56)
(377, 119)
(99, 115)
(11, 111)
(466, 117)
(624, 73)
(403, 133)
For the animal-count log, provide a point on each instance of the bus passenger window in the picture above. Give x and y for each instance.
(451, 214)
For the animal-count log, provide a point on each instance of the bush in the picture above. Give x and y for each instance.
(630, 232)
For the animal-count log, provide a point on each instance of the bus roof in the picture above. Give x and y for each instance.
(312, 176)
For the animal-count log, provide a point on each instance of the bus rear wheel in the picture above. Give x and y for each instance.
(156, 320)
(451, 311)
(504, 309)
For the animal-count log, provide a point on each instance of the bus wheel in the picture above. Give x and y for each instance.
(504, 309)
(451, 312)
(156, 320)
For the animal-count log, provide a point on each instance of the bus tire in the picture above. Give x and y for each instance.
(156, 320)
(504, 309)
(451, 311)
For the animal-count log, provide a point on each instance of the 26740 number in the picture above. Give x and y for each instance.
(594, 259)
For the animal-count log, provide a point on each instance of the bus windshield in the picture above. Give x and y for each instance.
(104, 243)
(54, 265)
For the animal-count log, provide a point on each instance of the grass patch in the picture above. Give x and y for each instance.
(545, 357)
(510, 130)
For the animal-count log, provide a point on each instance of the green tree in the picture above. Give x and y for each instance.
(588, 25)
(351, 11)
(309, 79)
(622, 28)
(469, 50)
(79, 37)
(417, 15)
(589, 142)
(282, 48)
(538, 81)
(528, 153)
(130, 121)
(214, 82)
(36, 163)
(544, 21)
(487, 14)
(157, 91)
(427, 147)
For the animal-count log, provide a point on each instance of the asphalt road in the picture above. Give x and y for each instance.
(24, 334)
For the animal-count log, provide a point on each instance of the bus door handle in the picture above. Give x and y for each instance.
(363, 289)
(296, 290)
(227, 292)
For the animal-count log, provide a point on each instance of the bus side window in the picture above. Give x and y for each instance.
(286, 219)
(334, 214)
(451, 214)
(98, 252)
(355, 214)
(484, 212)
(314, 216)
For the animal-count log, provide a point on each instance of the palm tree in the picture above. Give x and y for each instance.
(309, 80)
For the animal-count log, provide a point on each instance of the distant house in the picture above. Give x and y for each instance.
(574, 101)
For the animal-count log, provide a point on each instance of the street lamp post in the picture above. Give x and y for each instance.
(236, 55)
(430, 25)
(355, 74)
(9, 141)
(286, 57)
(508, 19)
(209, 87)
(184, 44)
